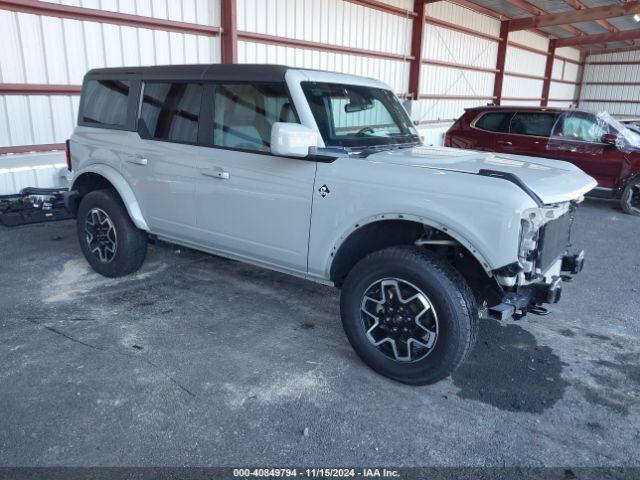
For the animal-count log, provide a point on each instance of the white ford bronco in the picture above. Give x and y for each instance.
(323, 176)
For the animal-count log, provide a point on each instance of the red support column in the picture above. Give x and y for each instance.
(417, 35)
(500, 61)
(548, 73)
(229, 35)
(583, 62)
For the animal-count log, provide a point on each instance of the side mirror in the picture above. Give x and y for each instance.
(292, 139)
(610, 139)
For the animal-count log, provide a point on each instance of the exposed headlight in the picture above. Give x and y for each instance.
(533, 219)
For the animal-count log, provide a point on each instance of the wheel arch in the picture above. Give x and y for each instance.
(382, 231)
(102, 176)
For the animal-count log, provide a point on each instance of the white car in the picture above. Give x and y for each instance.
(322, 175)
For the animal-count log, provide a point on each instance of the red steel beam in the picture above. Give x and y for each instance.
(548, 73)
(533, 10)
(480, 9)
(578, 90)
(621, 62)
(525, 75)
(454, 97)
(580, 14)
(43, 147)
(36, 7)
(417, 36)
(459, 66)
(568, 60)
(604, 100)
(568, 82)
(229, 35)
(614, 50)
(458, 28)
(599, 38)
(38, 89)
(325, 47)
(622, 84)
(522, 46)
(385, 7)
(519, 99)
(500, 61)
(578, 5)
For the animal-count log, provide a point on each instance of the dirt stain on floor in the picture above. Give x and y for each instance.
(510, 371)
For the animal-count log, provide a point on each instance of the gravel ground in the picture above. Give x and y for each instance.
(197, 360)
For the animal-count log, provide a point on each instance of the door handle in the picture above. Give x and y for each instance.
(504, 142)
(215, 173)
(137, 159)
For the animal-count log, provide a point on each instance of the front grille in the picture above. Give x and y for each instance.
(555, 238)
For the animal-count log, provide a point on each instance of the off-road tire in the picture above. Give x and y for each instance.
(447, 291)
(628, 195)
(131, 242)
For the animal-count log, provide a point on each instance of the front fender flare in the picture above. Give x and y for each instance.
(414, 218)
(122, 187)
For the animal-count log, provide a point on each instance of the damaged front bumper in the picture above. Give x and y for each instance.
(530, 298)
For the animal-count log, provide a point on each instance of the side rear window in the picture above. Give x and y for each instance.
(105, 102)
(494, 122)
(244, 114)
(537, 124)
(171, 111)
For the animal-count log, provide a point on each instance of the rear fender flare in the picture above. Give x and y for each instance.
(121, 186)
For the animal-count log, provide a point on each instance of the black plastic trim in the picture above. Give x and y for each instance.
(513, 178)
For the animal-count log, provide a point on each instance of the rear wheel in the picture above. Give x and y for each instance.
(409, 315)
(631, 197)
(110, 241)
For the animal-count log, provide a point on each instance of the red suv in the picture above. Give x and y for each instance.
(595, 142)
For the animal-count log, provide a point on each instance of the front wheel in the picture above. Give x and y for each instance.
(631, 197)
(409, 315)
(110, 241)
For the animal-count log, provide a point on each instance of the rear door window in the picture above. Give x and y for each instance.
(494, 122)
(533, 123)
(244, 115)
(104, 103)
(171, 111)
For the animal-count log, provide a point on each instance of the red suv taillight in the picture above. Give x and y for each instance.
(67, 152)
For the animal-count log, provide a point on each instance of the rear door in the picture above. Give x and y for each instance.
(577, 138)
(162, 168)
(529, 134)
(488, 131)
(249, 203)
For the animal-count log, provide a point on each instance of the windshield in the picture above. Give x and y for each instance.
(358, 117)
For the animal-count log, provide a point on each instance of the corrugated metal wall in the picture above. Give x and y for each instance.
(445, 45)
(45, 50)
(565, 78)
(612, 83)
(329, 22)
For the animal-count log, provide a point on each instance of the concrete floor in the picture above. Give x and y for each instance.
(197, 360)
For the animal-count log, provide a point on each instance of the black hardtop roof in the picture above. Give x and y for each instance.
(235, 72)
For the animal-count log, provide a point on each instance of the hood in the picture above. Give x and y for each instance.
(553, 181)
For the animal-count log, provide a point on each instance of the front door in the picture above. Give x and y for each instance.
(577, 138)
(251, 204)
